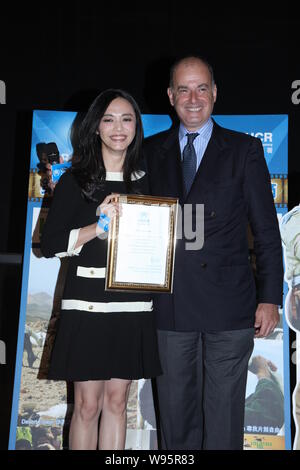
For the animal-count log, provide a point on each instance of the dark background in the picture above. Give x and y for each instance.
(61, 56)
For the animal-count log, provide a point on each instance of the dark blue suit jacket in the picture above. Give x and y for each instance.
(214, 288)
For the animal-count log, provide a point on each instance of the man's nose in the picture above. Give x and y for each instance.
(193, 96)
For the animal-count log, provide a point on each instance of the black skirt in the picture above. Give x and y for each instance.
(101, 346)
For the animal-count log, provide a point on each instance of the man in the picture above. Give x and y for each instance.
(206, 327)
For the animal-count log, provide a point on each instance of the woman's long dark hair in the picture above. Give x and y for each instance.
(87, 161)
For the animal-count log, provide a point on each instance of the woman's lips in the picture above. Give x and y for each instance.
(118, 138)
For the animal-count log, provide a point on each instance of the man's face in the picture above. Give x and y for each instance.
(193, 95)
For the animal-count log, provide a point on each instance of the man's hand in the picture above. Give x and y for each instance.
(266, 318)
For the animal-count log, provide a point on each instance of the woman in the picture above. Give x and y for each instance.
(104, 340)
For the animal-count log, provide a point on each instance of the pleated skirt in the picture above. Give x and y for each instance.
(102, 346)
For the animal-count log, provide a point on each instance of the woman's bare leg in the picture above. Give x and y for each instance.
(88, 401)
(113, 418)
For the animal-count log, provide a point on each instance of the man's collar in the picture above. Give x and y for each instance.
(204, 131)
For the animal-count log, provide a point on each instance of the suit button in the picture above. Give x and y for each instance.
(203, 265)
(91, 307)
(213, 214)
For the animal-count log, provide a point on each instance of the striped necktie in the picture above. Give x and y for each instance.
(189, 162)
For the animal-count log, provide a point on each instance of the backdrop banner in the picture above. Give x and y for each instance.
(267, 409)
(41, 408)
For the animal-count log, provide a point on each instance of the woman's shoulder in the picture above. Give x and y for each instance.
(67, 180)
(67, 184)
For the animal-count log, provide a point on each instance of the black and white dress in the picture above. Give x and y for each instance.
(101, 334)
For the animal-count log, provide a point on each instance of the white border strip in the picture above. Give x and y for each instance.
(91, 272)
(106, 307)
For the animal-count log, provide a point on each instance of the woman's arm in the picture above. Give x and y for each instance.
(60, 237)
(60, 219)
(110, 208)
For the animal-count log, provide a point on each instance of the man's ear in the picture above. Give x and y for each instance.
(215, 93)
(170, 95)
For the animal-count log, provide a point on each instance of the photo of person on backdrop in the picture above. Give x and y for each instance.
(31, 357)
(265, 406)
(48, 155)
(207, 327)
(290, 235)
(104, 339)
(296, 414)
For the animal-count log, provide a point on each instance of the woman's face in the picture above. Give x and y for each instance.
(118, 126)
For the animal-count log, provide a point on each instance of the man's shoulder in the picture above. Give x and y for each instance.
(235, 137)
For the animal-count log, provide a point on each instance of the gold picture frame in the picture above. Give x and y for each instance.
(141, 244)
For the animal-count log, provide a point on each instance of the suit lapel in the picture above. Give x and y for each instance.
(171, 165)
(213, 166)
(213, 159)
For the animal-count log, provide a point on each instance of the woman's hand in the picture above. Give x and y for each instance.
(109, 207)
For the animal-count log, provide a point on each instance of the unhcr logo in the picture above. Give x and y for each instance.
(2, 92)
(266, 138)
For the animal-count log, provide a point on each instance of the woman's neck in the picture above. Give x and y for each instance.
(113, 162)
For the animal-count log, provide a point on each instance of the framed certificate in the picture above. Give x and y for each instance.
(141, 245)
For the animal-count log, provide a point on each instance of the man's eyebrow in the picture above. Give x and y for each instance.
(185, 87)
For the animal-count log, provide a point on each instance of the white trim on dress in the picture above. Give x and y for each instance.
(91, 272)
(118, 175)
(106, 307)
(71, 250)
